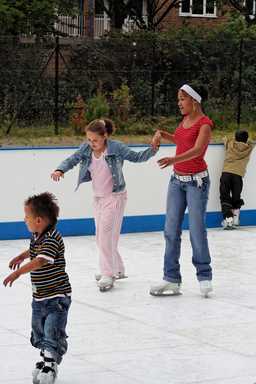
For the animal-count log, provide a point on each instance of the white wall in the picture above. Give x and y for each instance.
(27, 171)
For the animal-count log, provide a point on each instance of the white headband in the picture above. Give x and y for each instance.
(191, 92)
(102, 122)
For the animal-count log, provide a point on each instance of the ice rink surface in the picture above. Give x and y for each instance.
(126, 336)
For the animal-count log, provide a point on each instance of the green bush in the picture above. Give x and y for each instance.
(121, 102)
(97, 107)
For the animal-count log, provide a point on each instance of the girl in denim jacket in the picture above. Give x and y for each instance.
(101, 161)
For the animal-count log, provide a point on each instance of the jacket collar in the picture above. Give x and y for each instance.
(110, 149)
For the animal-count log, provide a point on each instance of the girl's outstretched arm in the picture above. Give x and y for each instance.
(69, 163)
(136, 157)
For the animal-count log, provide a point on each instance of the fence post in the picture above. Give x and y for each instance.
(239, 101)
(56, 93)
(153, 80)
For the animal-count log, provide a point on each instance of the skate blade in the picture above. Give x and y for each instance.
(165, 293)
(105, 289)
(117, 277)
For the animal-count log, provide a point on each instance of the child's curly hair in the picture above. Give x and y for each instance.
(44, 205)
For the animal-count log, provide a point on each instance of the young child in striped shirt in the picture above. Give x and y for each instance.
(50, 284)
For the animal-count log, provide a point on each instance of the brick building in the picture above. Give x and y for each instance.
(189, 11)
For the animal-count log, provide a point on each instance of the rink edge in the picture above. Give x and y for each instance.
(131, 224)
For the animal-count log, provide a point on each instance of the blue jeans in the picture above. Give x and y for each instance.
(49, 319)
(182, 195)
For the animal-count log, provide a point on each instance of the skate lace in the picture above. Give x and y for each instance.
(48, 369)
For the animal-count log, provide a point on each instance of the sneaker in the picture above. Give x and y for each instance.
(228, 223)
(205, 287)
(165, 288)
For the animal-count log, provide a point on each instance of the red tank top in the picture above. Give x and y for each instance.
(185, 139)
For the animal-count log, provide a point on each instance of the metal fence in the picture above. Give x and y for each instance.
(40, 81)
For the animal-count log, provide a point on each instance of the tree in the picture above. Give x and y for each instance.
(119, 10)
(34, 16)
(157, 10)
(246, 8)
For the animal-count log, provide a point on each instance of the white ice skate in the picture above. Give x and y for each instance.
(39, 366)
(48, 374)
(118, 276)
(205, 287)
(228, 223)
(165, 288)
(106, 283)
(236, 213)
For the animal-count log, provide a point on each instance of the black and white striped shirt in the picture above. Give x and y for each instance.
(50, 280)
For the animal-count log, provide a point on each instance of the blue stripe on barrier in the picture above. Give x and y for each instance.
(131, 224)
(74, 147)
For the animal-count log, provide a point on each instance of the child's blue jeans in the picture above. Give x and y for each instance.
(49, 320)
(182, 195)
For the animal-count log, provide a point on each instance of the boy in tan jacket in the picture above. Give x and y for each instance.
(238, 151)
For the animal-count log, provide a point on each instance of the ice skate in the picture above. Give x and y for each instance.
(205, 287)
(38, 367)
(118, 276)
(228, 223)
(165, 288)
(106, 283)
(236, 218)
(48, 374)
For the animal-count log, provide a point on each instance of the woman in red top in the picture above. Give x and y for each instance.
(188, 188)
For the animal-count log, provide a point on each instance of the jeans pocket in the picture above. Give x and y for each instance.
(64, 303)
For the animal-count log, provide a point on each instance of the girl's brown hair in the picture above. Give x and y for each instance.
(101, 127)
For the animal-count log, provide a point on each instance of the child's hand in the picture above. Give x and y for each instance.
(156, 140)
(56, 175)
(11, 278)
(165, 162)
(15, 263)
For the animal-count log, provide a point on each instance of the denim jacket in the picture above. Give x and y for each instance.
(117, 152)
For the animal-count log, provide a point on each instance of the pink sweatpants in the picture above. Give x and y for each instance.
(109, 212)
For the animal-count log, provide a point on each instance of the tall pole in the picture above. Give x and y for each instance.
(153, 84)
(56, 109)
(239, 101)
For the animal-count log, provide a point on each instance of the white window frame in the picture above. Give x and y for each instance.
(204, 14)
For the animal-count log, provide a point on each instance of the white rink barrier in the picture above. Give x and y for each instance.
(26, 171)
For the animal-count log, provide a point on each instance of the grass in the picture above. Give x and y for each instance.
(44, 135)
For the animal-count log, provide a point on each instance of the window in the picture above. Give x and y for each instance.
(198, 8)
